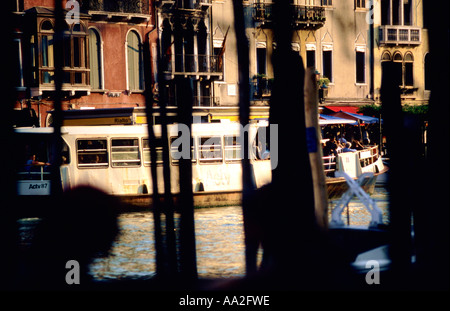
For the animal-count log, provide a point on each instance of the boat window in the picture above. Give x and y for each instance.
(176, 151)
(92, 153)
(146, 153)
(125, 152)
(65, 153)
(261, 148)
(210, 149)
(232, 148)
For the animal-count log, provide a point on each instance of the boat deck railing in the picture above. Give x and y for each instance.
(34, 173)
(368, 156)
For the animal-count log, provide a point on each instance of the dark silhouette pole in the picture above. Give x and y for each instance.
(188, 259)
(9, 234)
(293, 222)
(432, 221)
(398, 143)
(251, 246)
(56, 189)
(161, 257)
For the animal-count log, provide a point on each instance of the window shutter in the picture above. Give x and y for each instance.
(94, 60)
(131, 60)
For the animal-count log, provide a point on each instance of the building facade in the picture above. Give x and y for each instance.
(345, 41)
(185, 49)
(401, 37)
(103, 56)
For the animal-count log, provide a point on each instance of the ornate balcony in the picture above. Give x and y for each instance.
(135, 11)
(192, 65)
(184, 10)
(303, 17)
(400, 35)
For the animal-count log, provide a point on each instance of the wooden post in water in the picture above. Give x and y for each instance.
(56, 188)
(188, 258)
(291, 218)
(399, 185)
(244, 113)
(315, 148)
(160, 257)
(431, 215)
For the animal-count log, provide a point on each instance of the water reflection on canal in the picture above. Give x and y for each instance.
(219, 241)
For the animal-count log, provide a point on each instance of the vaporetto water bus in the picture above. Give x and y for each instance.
(116, 159)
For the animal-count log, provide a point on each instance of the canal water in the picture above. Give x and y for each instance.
(219, 240)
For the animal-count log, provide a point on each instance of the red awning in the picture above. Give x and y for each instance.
(344, 108)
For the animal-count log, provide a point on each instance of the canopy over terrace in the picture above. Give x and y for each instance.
(328, 120)
(355, 117)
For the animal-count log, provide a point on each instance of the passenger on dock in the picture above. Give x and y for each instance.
(347, 148)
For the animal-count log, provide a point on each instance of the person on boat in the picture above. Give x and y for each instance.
(337, 147)
(342, 139)
(329, 148)
(365, 135)
(32, 161)
(347, 148)
(357, 144)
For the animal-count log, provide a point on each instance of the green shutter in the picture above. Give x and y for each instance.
(95, 61)
(134, 54)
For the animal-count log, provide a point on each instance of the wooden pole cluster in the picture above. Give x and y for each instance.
(170, 262)
(251, 245)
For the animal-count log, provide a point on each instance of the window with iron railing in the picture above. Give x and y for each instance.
(263, 12)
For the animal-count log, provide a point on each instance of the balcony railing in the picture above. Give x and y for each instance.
(188, 64)
(117, 6)
(261, 88)
(182, 7)
(408, 35)
(302, 16)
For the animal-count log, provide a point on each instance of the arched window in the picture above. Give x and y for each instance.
(428, 72)
(398, 57)
(398, 67)
(134, 62)
(386, 57)
(95, 59)
(408, 73)
(47, 26)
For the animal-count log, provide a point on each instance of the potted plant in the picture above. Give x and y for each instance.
(323, 82)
